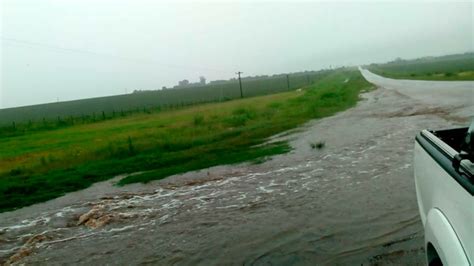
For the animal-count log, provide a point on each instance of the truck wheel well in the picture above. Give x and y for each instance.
(432, 256)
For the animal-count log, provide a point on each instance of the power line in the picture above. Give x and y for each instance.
(87, 52)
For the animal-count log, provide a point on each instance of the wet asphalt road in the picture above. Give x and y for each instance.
(352, 202)
(455, 97)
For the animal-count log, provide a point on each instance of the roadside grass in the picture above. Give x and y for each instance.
(42, 165)
(453, 67)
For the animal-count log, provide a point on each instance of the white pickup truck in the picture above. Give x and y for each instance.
(444, 182)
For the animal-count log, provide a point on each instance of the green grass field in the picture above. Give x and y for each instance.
(41, 165)
(450, 67)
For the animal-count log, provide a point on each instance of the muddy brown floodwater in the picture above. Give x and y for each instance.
(351, 202)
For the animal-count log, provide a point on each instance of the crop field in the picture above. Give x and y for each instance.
(450, 67)
(44, 164)
(97, 108)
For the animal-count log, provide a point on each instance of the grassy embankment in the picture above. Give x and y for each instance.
(451, 67)
(42, 165)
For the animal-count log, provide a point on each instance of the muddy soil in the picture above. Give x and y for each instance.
(350, 202)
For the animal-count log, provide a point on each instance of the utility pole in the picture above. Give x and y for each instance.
(288, 81)
(240, 84)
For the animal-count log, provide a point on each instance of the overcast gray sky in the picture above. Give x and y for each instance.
(79, 49)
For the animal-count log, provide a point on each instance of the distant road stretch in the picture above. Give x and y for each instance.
(457, 96)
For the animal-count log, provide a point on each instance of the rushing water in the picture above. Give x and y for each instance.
(351, 202)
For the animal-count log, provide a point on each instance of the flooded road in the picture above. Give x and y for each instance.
(351, 202)
(456, 98)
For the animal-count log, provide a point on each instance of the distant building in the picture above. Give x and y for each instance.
(186, 84)
(183, 82)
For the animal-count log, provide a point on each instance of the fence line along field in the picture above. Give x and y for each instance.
(120, 105)
(41, 165)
